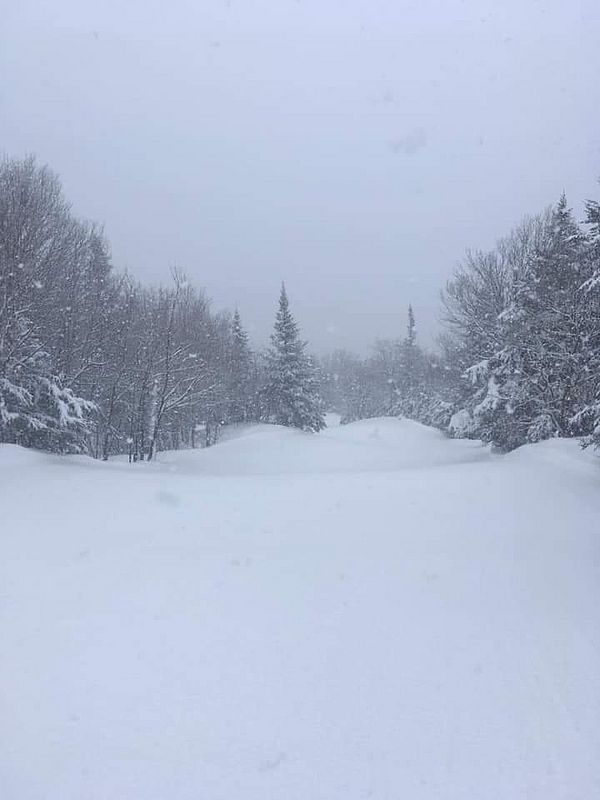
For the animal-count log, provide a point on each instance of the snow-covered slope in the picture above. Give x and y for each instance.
(375, 611)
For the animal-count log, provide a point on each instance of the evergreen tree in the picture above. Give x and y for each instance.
(36, 408)
(535, 381)
(411, 329)
(291, 395)
(239, 388)
(586, 421)
(409, 390)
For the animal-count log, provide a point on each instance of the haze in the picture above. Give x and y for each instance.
(354, 149)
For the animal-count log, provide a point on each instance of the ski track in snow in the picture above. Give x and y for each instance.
(371, 612)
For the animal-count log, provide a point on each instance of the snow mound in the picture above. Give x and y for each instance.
(376, 445)
(11, 456)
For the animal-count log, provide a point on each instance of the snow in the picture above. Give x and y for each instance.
(461, 423)
(373, 611)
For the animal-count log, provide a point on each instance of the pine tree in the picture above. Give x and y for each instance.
(586, 421)
(535, 382)
(36, 408)
(408, 394)
(411, 328)
(291, 395)
(239, 389)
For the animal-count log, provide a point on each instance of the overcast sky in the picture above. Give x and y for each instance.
(353, 148)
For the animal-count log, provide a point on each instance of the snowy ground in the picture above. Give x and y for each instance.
(373, 612)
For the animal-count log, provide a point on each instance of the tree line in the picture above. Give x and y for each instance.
(519, 357)
(93, 361)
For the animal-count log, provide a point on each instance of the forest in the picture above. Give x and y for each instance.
(93, 361)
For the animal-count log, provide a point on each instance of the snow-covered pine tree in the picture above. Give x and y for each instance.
(291, 395)
(239, 367)
(41, 246)
(36, 408)
(409, 396)
(586, 420)
(535, 381)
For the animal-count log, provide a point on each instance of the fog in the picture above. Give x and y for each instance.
(354, 149)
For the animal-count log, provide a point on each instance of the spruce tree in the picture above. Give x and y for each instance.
(291, 396)
(239, 368)
(36, 408)
(535, 382)
(411, 328)
(586, 421)
(408, 385)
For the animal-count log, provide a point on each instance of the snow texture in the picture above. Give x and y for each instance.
(373, 612)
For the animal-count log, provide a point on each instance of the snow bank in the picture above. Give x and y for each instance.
(370, 445)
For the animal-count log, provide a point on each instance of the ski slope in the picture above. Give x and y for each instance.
(371, 612)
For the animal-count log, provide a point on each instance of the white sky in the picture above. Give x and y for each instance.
(354, 148)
